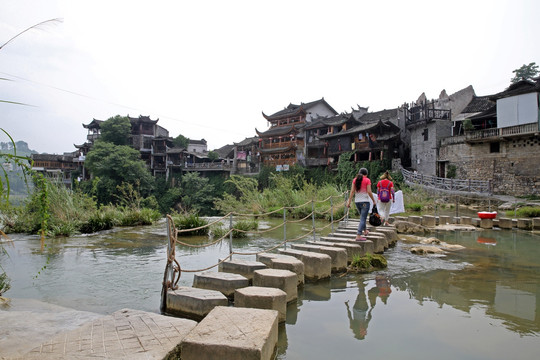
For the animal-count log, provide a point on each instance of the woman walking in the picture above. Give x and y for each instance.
(385, 195)
(361, 189)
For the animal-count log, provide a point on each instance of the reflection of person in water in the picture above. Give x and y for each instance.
(360, 315)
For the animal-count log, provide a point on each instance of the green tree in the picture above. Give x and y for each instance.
(213, 156)
(112, 165)
(526, 72)
(197, 193)
(181, 141)
(116, 130)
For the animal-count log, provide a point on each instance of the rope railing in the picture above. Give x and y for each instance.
(173, 269)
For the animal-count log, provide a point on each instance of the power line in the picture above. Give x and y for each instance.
(116, 104)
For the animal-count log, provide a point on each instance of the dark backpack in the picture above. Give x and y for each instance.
(384, 193)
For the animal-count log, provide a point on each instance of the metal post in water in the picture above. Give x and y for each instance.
(285, 228)
(346, 211)
(313, 217)
(332, 214)
(230, 236)
(457, 207)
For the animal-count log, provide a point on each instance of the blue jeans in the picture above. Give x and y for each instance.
(363, 210)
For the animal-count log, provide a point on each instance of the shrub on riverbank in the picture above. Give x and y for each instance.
(525, 212)
(190, 220)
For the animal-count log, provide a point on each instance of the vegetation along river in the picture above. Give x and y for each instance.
(478, 303)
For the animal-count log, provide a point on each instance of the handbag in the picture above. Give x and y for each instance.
(374, 217)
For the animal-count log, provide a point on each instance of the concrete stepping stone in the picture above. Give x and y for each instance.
(283, 262)
(338, 255)
(194, 303)
(281, 279)
(316, 266)
(231, 333)
(379, 242)
(241, 267)
(223, 282)
(367, 246)
(262, 298)
(383, 237)
(125, 334)
(353, 249)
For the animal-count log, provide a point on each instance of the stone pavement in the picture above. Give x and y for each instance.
(125, 334)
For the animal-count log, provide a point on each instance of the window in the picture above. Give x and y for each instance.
(425, 133)
(494, 147)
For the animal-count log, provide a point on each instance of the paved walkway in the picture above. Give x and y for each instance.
(125, 334)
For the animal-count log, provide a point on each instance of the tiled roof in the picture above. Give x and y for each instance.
(293, 109)
(276, 150)
(280, 130)
(379, 115)
(197, 142)
(225, 151)
(519, 88)
(385, 126)
(142, 119)
(478, 104)
(248, 141)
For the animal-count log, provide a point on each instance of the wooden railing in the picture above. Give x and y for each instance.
(480, 135)
(446, 184)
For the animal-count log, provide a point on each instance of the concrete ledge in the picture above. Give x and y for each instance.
(536, 223)
(505, 223)
(338, 255)
(241, 267)
(465, 220)
(383, 237)
(486, 223)
(262, 298)
(125, 334)
(316, 266)
(283, 262)
(281, 279)
(415, 219)
(524, 224)
(230, 333)
(194, 303)
(429, 221)
(226, 283)
(444, 219)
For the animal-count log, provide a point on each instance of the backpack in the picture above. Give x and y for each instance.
(384, 192)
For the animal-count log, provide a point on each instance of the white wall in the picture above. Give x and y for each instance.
(517, 110)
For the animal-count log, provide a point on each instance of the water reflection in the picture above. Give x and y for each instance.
(365, 302)
(485, 294)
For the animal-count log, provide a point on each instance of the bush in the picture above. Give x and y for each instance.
(242, 227)
(414, 207)
(103, 219)
(525, 212)
(4, 283)
(190, 221)
(135, 217)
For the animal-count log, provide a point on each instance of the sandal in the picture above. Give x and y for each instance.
(361, 238)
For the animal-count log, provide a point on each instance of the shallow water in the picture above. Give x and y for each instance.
(479, 303)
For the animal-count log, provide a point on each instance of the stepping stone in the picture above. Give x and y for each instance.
(381, 235)
(367, 246)
(241, 267)
(281, 279)
(379, 242)
(283, 262)
(231, 333)
(223, 282)
(192, 302)
(316, 266)
(353, 248)
(338, 255)
(262, 298)
(125, 334)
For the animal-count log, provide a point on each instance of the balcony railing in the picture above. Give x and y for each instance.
(453, 185)
(497, 133)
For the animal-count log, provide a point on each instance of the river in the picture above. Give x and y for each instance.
(478, 303)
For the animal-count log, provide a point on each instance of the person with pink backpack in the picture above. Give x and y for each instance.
(385, 196)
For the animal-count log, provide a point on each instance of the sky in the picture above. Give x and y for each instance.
(208, 69)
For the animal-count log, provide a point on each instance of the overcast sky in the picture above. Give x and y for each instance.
(208, 69)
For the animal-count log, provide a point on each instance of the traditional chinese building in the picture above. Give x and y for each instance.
(284, 142)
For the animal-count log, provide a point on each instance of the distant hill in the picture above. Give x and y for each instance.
(21, 146)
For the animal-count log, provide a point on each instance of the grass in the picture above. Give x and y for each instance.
(525, 212)
(368, 262)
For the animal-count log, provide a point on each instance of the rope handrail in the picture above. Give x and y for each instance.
(299, 220)
(204, 245)
(263, 231)
(261, 215)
